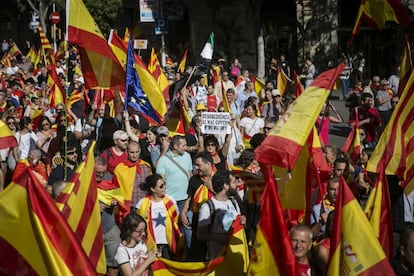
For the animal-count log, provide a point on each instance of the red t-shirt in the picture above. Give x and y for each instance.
(304, 269)
(371, 127)
(113, 159)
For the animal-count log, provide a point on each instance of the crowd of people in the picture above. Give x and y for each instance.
(183, 192)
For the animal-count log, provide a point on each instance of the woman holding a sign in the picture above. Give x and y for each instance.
(219, 155)
(250, 125)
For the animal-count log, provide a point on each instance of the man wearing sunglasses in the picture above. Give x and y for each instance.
(70, 166)
(117, 153)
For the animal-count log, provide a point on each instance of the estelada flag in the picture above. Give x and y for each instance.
(272, 252)
(355, 250)
(154, 67)
(35, 238)
(406, 66)
(394, 149)
(378, 211)
(78, 203)
(100, 67)
(7, 139)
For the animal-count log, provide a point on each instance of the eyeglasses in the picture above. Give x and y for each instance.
(211, 145)
(161, 186)
(71, 152)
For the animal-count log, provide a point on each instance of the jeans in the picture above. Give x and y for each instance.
(187, 232)
(345, 87)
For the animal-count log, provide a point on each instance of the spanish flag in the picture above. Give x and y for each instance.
(181, 66)
(155, 69)
(100, 67)
(32, 54)
(394, 149)
(377, 12)
(406, 66)
(352, 144)
(272, 252)
(283, 81)
(165, 267)
(54, 88)
(35, 238)
(78, 203)
(354, 249)
(7, 139)
(378, 211)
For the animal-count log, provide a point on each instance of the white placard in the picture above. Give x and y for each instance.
(215, 122)
(140, 44)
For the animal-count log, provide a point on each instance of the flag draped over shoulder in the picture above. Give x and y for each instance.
(78, 203)
(272, 252)
(35, 239)
(285, 141)
(354, 249)
(7, 139)
(100, 67)
(378, 211)
(377, 12)
(148, 83)
(155, 69)
(406, 66)
(136, 98)
(395, 148)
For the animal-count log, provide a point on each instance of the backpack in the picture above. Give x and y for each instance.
(213, 210)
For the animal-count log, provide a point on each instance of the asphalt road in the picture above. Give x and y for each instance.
(339, 132)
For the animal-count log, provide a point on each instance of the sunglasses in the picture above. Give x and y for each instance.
(58, 110)
(211, 145)
(267, 128)
(45, 124)
(10, 123)
(71, 152)
(161, 186)
(394, 102)
(123, 140)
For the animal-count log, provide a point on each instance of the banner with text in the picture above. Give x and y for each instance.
(215, 122)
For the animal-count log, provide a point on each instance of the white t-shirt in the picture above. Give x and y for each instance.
(251, 127)
(158, 219)
(135, 256)
(24, 143)
(204, 215)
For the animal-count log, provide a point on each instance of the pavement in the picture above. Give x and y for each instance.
(339, 132)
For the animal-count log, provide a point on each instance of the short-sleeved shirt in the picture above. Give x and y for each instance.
(251, 127)
(135, 256)
(24, 143)
(175, 179)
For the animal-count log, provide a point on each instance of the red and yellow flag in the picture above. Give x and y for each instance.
(297, 84)
(258, 84)
(14, 51)
(377, 12)
(46, 48)
(54, 88)
(272, 252)
(181, 66)
(283, 81)
(155, 69)
(406, 66)
(126, 35)
(285, 141)
(35, 238)
(7, 139)
(78, 203)
(354, 252)
(165, 267)
(100, 67)
(32, 54)
(378, 211)
(352, 144)
(395, 148)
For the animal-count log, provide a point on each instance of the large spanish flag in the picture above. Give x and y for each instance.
(272, 252)
(7, 139)
(35, 239)
(285, 141)
(78, 203)
(377, 12)
(378, 211)
(354, 249)
(100, 67)
(155, 69)
(394, 151)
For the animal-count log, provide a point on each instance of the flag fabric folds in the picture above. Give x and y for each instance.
(35, 239)
(48, 55)
(406, 66)
(378, 211)
(100, 67)
(7, 139)
(354, 249)
(272, 252)
(155, 69)
(285, 141)
(136, 98)
(352, 144)
(78, 203)
(148, 82)
(395, 148)
(54, 88)
(181, 66)
(377, 12)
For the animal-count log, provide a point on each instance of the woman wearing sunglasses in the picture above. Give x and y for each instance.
(161, 213)
(45, 133)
